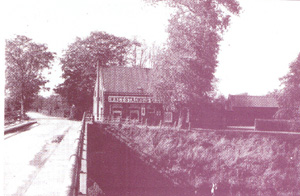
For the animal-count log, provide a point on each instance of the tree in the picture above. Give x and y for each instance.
(289, 96)
(25, 62)
(55, 105)
(140, 54)
(184, 76)
(79, 66)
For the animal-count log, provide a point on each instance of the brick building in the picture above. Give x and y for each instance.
(242, 110)
(124, 93)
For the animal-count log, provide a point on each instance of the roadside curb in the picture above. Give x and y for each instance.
(14, 128)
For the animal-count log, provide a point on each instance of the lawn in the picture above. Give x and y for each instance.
(235, 163)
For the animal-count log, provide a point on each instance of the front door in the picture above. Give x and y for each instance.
(134, 115)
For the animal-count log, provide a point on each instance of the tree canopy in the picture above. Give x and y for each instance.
(25, 60)
(289, 96)
(184, 70)
(79, 63)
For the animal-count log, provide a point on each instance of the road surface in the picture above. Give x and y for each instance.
(36, 158)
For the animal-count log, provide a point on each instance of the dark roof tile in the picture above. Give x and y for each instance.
(126, 79)
(252, 101)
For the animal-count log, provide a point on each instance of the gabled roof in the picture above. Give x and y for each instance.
(252, 101)
(131, 80)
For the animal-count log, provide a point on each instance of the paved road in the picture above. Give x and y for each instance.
(35, 158)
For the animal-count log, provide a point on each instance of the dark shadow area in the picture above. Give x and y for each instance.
(16, 131)
(119, 171)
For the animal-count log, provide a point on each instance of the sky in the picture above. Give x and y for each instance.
(255, 52)
(259, 46)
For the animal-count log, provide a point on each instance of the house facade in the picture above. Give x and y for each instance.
(242, 110)
(124, 93)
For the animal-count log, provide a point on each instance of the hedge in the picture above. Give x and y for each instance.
(277, 125)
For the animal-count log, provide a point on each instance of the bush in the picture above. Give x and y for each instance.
(277, 125)
(13, 116)
(251, 164)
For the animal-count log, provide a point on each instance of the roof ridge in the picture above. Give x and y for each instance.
(117, 66)
(253, 101)
(263, 96)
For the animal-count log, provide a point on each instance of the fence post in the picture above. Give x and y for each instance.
(174, 126)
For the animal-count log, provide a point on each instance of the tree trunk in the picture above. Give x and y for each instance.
(22, 108)
(22, 96)
(183, 117)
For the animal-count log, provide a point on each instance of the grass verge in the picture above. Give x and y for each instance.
(235, 163)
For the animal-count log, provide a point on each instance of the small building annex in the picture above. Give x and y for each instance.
(242, 110)
(124, 93)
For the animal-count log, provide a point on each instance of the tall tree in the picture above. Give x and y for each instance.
(54, 105)
(79, 66)
(289, 96)
(185, 68)
(140, 54)
(25, 61)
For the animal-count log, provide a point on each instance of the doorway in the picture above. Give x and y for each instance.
(134, 114)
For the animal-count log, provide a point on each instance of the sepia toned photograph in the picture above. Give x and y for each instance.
(151, 98)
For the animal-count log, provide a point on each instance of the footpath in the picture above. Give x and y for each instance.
(55, 177)
(48, 160)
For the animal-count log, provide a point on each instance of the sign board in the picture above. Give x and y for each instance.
(131, 99)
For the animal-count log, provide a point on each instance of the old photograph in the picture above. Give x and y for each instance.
(151, 98)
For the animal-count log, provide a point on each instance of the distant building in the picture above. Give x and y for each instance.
(124, 93)
(244, 109)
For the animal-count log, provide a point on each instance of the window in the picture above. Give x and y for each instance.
(134, 114)
(168, 116)
(117, 114)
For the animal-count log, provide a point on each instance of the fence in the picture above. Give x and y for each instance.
(75, 165)
(277, 125)
(109, 120)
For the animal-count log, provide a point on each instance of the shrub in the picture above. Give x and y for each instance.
(251, 164)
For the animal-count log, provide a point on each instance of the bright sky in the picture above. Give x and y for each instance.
(255, 53)
(259, 46)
